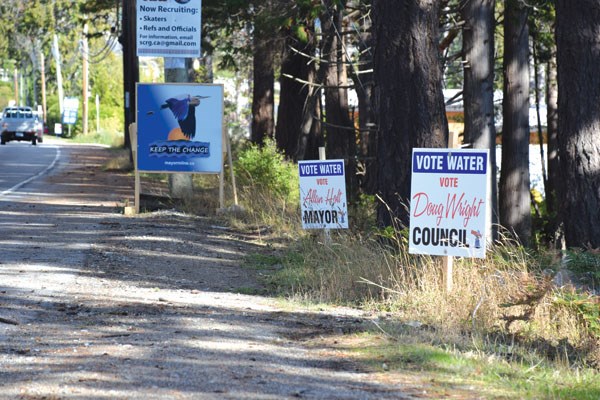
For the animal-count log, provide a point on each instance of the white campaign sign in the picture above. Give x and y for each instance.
(323, 194)
(448, 202)
(168, 28)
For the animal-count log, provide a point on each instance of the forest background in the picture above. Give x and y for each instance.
(394, 61)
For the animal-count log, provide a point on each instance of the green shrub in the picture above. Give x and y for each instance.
(6, 93)
(585, 264)
(585, 305)
(265, 169)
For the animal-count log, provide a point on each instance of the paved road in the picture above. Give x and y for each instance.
(21, 163)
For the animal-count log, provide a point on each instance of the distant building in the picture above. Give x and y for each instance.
(456, 116)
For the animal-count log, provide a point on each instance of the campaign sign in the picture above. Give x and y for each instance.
(180, 127)
(323, 194)
(448, 202)
(168, 28)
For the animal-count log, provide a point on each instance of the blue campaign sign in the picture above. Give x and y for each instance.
(180, 127)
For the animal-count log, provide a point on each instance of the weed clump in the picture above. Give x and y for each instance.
(269, 187)
(265, 169)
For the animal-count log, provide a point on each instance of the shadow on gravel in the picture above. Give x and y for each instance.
(126, 349)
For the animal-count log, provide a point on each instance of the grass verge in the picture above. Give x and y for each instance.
(441, 371)
(505, 331)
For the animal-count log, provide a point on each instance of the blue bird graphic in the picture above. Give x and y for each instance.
(184, 111)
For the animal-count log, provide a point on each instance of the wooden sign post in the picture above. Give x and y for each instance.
(448, 261)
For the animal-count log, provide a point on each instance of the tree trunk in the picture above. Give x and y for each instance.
(131, 74)
(514, 177)
(263, 122)
(366, 117)
(295, 70)
(578, 58)
(340, 132)
(411, 110)
(552, 126)
(478, 90)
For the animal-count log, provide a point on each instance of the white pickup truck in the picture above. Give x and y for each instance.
(20, 123)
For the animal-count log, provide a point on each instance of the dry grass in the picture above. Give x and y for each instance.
(119, 161)
(508, 295)
(263, 210)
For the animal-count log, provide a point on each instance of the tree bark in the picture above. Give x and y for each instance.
(552, 126)
(478, 91)
(340, 132)
(411, 111)
(293, 95)
(311, 135)
(578, 58)
(131, 73)
(514, 188)
(263, 121)
(366, 116)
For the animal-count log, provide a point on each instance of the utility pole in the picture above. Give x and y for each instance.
(84, 108)
(43, 73)
(22, 93)
(59, 81)
(16, 85)
(97, 113)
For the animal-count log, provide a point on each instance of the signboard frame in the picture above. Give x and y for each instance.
(153, 108)
(162, 146)
(323, 194)
(70, 110)
(449, 202)
(168, 28)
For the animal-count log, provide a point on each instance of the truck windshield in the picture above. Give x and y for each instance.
(18, 114)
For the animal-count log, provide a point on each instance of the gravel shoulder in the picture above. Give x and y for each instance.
(95, 304)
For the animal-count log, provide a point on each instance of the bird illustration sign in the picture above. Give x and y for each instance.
(180, 127)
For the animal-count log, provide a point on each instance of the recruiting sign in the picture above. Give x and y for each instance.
(168, 28)
(323, 194)
(448, 202)
(180, 127)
